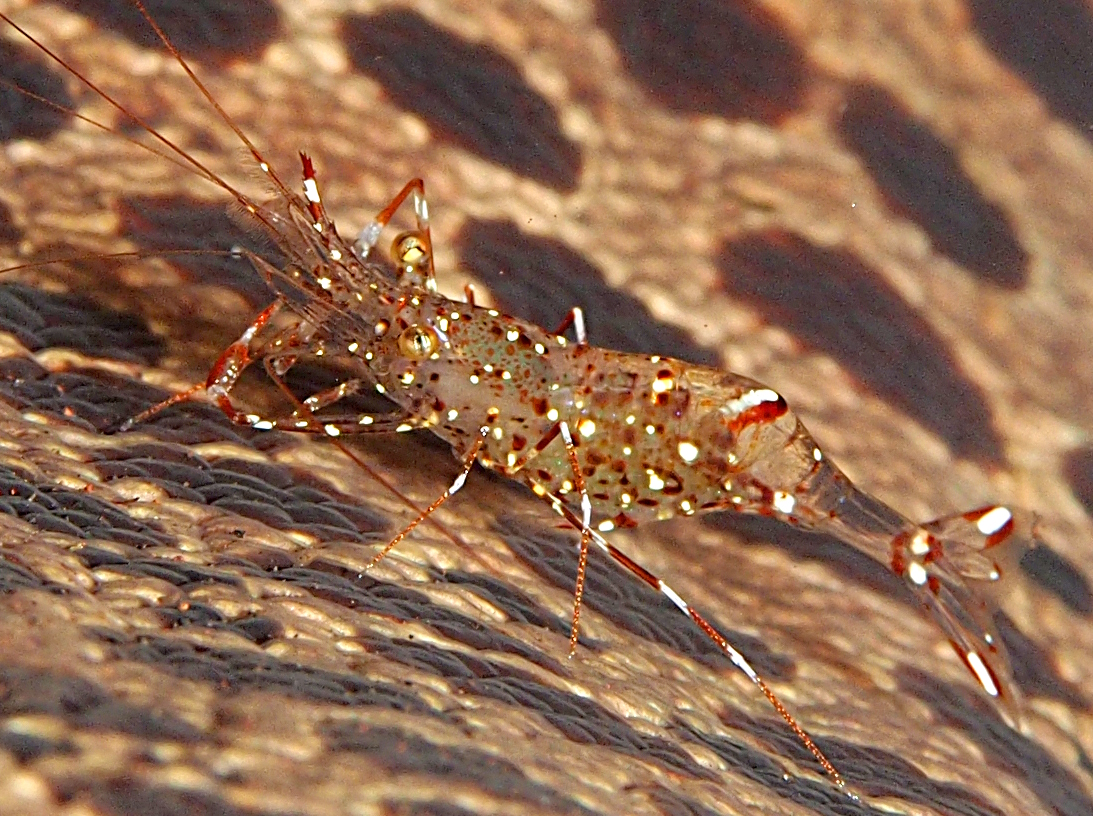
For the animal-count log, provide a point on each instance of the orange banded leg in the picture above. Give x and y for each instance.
(585, 527)
(222, 376)
(340, 425)
(574, 318)
(588, 534)
(451, 490)
(412, 251)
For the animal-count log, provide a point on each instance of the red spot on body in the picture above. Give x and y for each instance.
(999, 535)
(673, 485)
(935, 552)
(762, 413)
(549, 437)
(899, 559)
(623, 522)
(597, 457)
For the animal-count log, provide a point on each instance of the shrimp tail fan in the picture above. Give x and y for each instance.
(956, 567)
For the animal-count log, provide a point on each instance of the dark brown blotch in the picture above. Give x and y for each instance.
(541, 279)
(404, 753)
(10, 234)
(584, 721)
(836, 304)
(730, 58)
(346, 587)
(130, 794)
(22, 117)
(1060, 577)
(869, 769)
(40, 320)
(82, 704)
(467, 93)
(173, 225)
(233, 670)
(1079, 473)
(1057, 788)
(1035, 670)
(1050, 44)
(219, 31)
(921, 177)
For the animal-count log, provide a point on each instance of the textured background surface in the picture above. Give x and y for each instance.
(879, 208)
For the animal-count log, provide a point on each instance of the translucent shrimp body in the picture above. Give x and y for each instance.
(653, 438)
(608, 439)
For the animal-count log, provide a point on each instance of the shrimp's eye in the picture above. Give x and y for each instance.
(418, 342)
(411, 251)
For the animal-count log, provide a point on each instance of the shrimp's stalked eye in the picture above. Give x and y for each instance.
(418, 342)
(411, 252)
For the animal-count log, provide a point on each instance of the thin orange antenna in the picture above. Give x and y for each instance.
(258, 157)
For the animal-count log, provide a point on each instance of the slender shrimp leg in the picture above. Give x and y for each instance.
(222, 376)
(467, 463)
(303, 419)
(590, 535)
(585, 526)
(575, 318)
(412, 250)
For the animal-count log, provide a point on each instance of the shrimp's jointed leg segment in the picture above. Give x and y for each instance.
(584, 528)
(413, 251)
(575, 318)
(452, 489)
(738, 659)
(222, 377)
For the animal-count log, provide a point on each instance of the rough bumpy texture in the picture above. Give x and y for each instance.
(187, 628)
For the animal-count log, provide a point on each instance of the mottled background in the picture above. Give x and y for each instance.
(879, 207)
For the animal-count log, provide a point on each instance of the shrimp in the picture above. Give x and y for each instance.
(609, 439)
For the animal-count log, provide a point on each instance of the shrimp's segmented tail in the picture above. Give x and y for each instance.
(954, 565)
